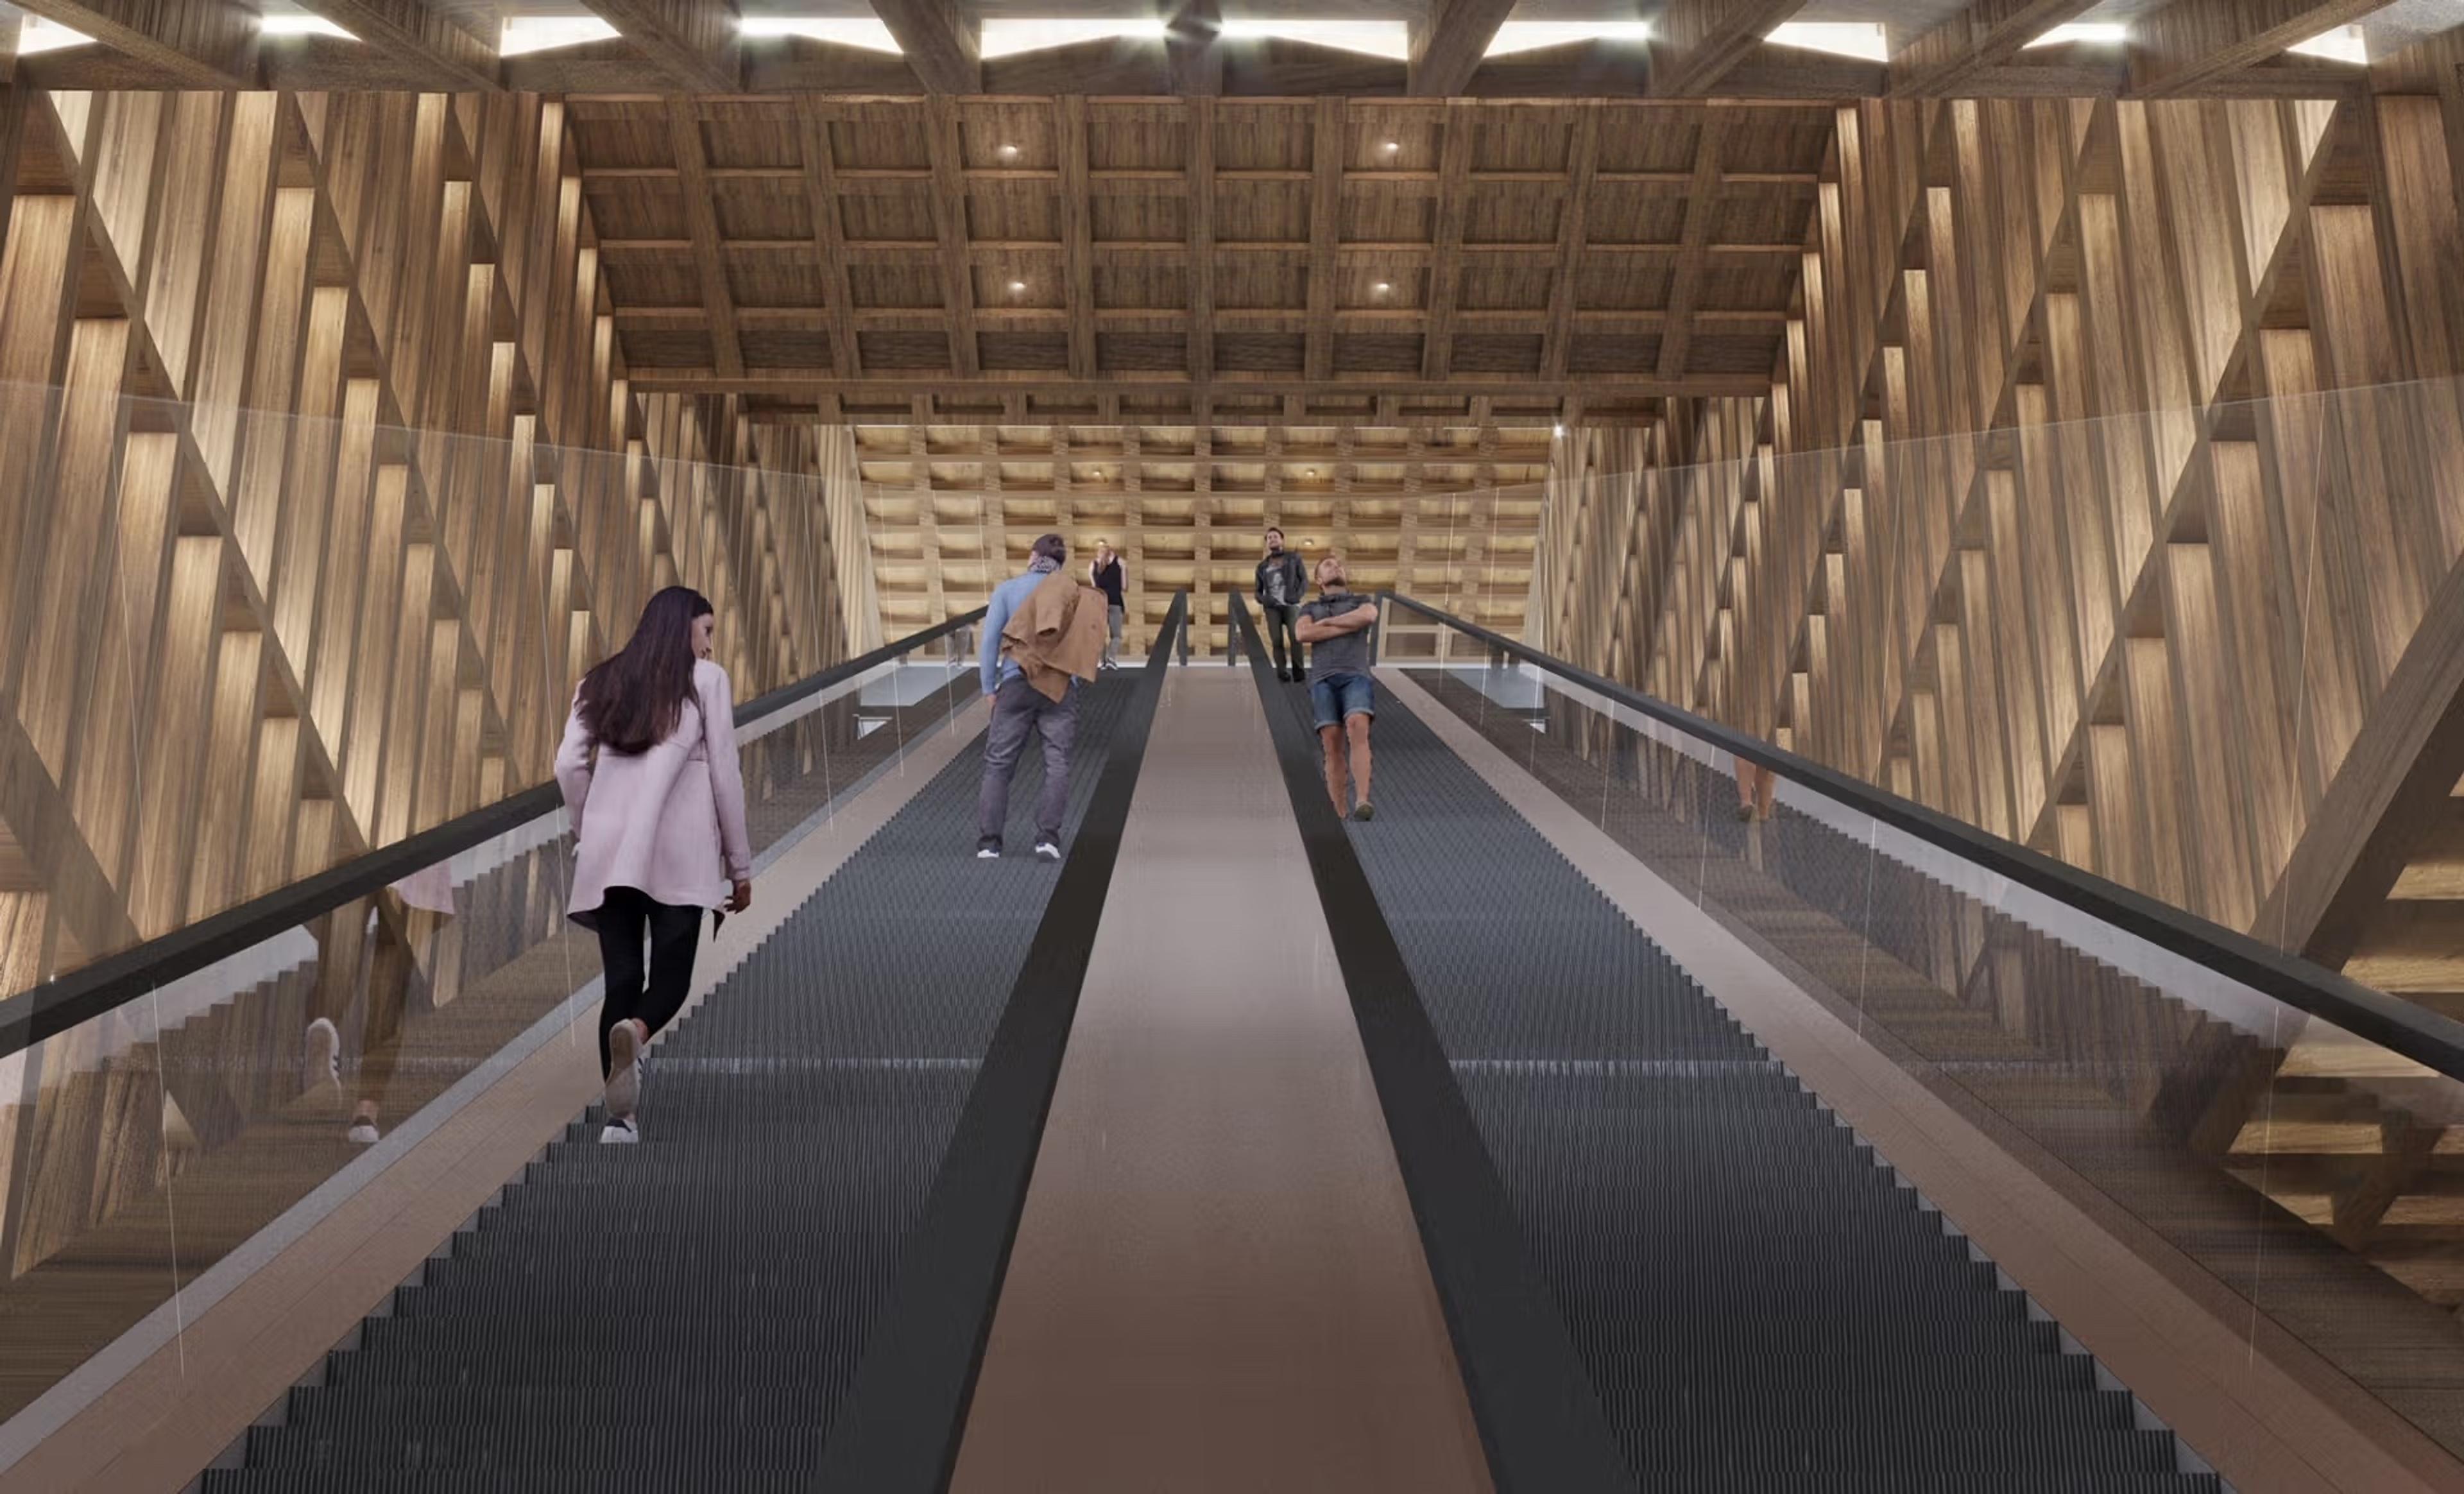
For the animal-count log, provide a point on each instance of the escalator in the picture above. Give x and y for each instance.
(1759, 1303)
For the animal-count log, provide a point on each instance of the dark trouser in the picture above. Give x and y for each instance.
(1017, 709)
(675, 933)
(1281, 624)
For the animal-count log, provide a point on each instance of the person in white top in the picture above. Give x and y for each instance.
(655, 794)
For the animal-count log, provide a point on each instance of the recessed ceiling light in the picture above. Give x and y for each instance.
(1312, 472)
(1392, 145)
(1559, 431)
(1016, 286)
(1009, 152)
(1381, 287)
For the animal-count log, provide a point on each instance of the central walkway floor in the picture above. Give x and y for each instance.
(1218, 1283)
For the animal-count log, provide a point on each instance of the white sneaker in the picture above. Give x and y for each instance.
(323, 1064)
(363, 1132)
(623, 1073)
(619, 1133)
(1047, 850)
(988, 853)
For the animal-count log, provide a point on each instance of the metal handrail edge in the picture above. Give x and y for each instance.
(115, 979)
(2390, 1021)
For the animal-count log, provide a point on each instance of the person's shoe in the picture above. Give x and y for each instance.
(1047, 850)
(1364, 810)
(623, 1077)
(619, 1132)
(1285, 675)
(363, 1132)
(988, 853)
(1745, 811)
(323, 1067)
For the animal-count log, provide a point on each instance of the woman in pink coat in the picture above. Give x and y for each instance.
(656, 797)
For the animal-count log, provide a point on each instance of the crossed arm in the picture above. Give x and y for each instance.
(1309, 630)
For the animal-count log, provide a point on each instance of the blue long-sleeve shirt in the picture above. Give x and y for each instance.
(1006, 598)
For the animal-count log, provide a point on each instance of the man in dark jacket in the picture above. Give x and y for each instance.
(1283, 586)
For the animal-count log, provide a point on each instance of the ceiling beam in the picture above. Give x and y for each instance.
(1202, 247)
(2187, 43)
(1557, 344)
(992, 388)
(432, 47)
(198, 43)
(1328, 134)
(1686, 281)
(692, 173)
(1697, 42)
(950, 230)
(692, 41)
(1078, 248)
(1447, 47)
(829, 234)
(1445, 271)
(939, 43)
(1988, 33)
(1192, 50)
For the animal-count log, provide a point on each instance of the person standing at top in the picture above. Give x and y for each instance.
(1283, 586)
(655, 795)
(1105, 576)
(1339, 627)
(1042, 634)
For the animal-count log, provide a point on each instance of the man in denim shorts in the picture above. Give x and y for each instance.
(1337, 626)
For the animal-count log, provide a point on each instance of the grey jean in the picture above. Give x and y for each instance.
(1018, 708)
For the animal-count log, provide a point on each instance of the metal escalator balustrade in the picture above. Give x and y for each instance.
(2283, 1140)
(163, 1106)
(1754, 1300)
(835, 1149)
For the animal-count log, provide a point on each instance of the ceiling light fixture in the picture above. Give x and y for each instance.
(298, 23)
(1003, 37)
(2343, 44)
(1383, 287)
(527, 34)
(1558, 430)
(1376, 39)
(1016, 286)
(2103, 33)
(1862, 41)
(1532, 35)
(865, 33)
(37, 34)
(1009, 152)
(1392, 146)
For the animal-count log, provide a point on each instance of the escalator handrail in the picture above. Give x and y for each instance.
(2390, 1021)
(118, 978)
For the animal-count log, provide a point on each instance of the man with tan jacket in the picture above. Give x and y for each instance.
(1042, 634)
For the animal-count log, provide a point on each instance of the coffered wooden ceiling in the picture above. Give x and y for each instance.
(1203, 261)
(1696, 48)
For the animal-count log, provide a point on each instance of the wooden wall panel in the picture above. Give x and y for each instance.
(338, 482)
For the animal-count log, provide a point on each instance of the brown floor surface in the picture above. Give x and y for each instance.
(1218, 1283)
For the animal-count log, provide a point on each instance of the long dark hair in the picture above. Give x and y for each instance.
(630, 701)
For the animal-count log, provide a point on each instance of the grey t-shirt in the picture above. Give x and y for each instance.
(1344, 653)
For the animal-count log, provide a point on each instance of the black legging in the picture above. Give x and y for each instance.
(1281, 623)
(674, 935)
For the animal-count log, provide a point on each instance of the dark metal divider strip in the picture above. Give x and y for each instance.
(907, 1409)
(115, 979)
(1540, 1419)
